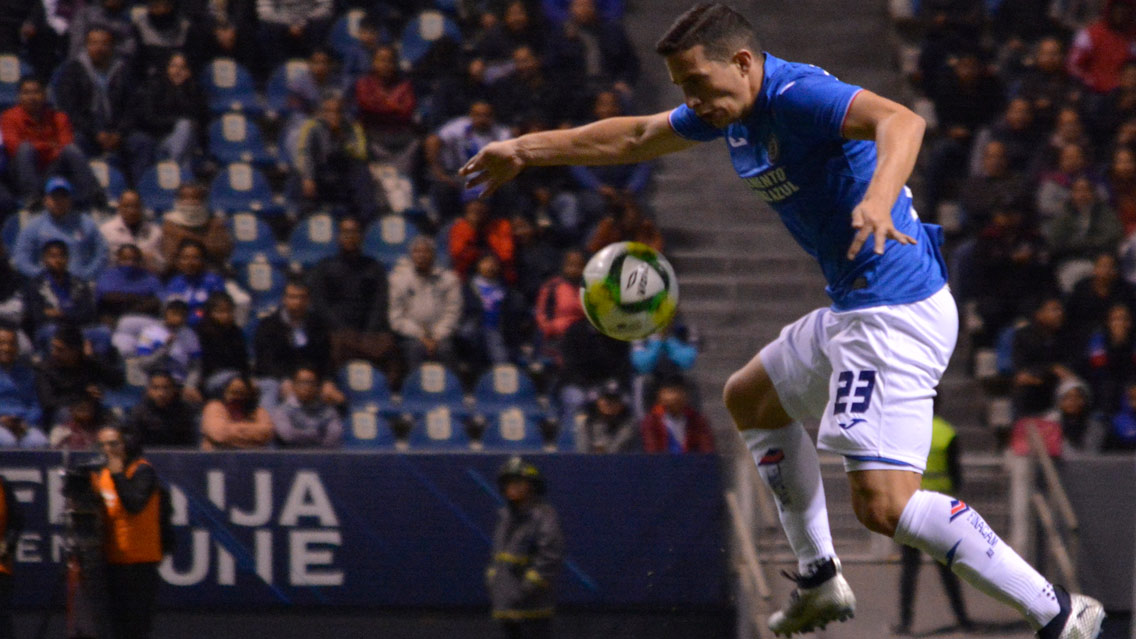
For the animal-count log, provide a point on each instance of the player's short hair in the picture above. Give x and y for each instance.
(720, 29)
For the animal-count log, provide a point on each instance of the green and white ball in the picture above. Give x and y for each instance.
(629, 291)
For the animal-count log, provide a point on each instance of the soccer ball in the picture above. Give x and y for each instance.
(629, 291)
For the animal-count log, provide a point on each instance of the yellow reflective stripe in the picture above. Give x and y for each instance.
(510, 558)
(532, 575)
(538, 613)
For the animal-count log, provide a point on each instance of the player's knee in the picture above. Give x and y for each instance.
(877, 513)
(742, 397)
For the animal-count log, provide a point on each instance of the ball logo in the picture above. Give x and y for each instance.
(639, 281)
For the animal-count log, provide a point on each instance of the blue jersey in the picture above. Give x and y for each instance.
(790, 151)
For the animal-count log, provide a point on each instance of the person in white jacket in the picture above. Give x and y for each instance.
(425, 306)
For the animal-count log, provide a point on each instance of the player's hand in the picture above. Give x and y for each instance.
(493, 166)
(874, 221)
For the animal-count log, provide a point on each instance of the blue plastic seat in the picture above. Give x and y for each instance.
(252, 237)
(264, 283)
(423, 31)
(512, 428)
(229, 87)
(364, 384)
(235, 138)
(388, 238)
(504, 386)
(344, 34)
(12, 68)
(159, 184)
(11, 229)
(276, 92)
(241, 187)
(122, 399)
(439, 428)
(366, 428)
(312, 240)
(429, 386)
(110, 179)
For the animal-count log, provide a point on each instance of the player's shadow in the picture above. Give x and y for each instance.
(978, 629)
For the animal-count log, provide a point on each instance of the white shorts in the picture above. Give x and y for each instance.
(869, 375)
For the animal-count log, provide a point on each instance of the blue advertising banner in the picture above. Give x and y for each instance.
(389, 529)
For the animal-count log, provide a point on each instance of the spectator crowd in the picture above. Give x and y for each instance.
(239, 224)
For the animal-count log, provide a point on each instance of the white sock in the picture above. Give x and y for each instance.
(956, 535)
(787, 461)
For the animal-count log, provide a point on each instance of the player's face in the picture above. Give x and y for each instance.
(718, 91)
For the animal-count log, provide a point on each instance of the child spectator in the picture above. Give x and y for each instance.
(493, 317)
(425, 306)
(235, 421)
(224, 349)
(20, 414)
(673, 426)
(55, 295)
(163, 418)
(304, 420)
(172, 346)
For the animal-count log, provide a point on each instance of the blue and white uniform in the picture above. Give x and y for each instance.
(867, 366)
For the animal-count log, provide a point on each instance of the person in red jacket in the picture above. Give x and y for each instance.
(673, 426)
(478, 233)
(1100, 50)
(558, 302)
(386, 102)
(40, 142)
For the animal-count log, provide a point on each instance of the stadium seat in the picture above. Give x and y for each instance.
(397, 187)
(364, 384)
(429, 386)
(110, 179)
(241, 187)
(276, 92)
(388, 239)
(366, 428)
(12, 68)
(503, 386)
(121, 400)
(312, 240)
(512, 429)
(423, 31)
(11, 229)
(263, 282)
(252, 237)
(159, 184)
(439, 428)
(235, 138)
(344, 34)
(229, 87)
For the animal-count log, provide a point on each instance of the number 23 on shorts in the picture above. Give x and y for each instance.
(854, 384)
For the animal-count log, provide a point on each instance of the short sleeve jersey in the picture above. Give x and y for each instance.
(790, 151)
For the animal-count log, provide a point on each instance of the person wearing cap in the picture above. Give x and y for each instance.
(528, 551)
(60, 221)
(610, 425)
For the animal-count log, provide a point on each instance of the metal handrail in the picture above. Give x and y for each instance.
(1056, 544)
(751, 568)
(1052, 478)
(1065, 554)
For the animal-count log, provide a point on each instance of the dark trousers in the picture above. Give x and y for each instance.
(910, 576)
(527, 629)
(131, 593)
(6, 629)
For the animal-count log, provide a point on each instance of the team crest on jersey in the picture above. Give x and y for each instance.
(772, 149)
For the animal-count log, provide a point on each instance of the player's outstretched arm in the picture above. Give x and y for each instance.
(620, 140)
(898, 133)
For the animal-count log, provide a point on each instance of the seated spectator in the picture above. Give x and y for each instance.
(625, 222)
(304, 420)
(318, 81)
(172, 108)
(1088, 304)
(1117, 107)
(589, 359)
(448, 149)
(12, 285)
(1121, 183)
(609, 423)
(1086, 228)
(190, 282)
(291, 29)
(1121, 436)
(172, 346)
(77, 431)
(1082, 429)
(455, 95)
(386, 103)
(71, 370)
(1042, 355)
(537, 259)
(1067, 129)
(494, 317)
(664, 355)
(95, 90)
(425, 306)
(56, 296)
(673, 426)
(130, 226)
(111, 15)
(163, 418)
(984, 191)
(192, 219)
(1019, 136)
(528, 91)
(127, 288)
(229, 31)
(224, 349)
(558, 303)
(1047, 84)
(479, 232)
(294, 334)
(161, 31)
(1101, 48)
(331, 162)
(87, 248)
(516, 28)
(40, 143)
(235, 421)
(361, 54)
(351, 290)
(20, 414)
(591, 51)
(1055, 187)
(603, 186)
(1111, 358)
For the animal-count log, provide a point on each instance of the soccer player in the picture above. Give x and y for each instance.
(832, 160)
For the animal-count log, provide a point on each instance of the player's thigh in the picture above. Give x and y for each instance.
(787, 380)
